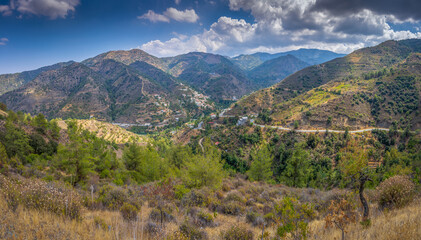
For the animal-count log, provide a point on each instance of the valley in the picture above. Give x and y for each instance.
(200, 146)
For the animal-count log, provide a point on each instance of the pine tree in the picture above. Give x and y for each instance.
(297, 170)
(3, 155)
(204, 170)
(260, 169)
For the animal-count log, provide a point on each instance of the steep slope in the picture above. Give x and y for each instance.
(110, 91)
(310, 56)
(349, 91)
(110, 132)
(273, 71)
(9, 82)
(72, 91)
(212, 74)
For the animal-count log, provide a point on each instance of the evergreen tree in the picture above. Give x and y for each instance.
(204, 170)
(260, 169)
(3, 155)
(297, 170)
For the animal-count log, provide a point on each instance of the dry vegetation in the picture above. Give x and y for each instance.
(202, 214)
(110, 132)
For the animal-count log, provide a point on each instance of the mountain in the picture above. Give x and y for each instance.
(274, 70)
(108, 90)
(214, 75)
(126, 57)
(372, 86)
(310, 56)
(9, 82)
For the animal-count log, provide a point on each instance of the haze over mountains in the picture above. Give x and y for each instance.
(136, 87)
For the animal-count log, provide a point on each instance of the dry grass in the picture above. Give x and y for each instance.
(110, 132)
(399, 224)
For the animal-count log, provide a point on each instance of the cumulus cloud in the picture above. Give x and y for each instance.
(171, 13)
(282, 25)
(402, 9)
(49, 8)
(3, 41)
(175, 46)
(182, 16)
(154, 17)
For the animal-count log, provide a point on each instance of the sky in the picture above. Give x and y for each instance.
(36, 33)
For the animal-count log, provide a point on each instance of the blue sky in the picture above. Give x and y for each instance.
(35, 33)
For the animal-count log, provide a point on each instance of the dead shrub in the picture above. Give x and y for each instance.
(395, 192)
(237, 232)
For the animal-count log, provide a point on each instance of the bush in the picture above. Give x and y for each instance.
(205, 219)
(230, 208)
(197, 198)
(129, 212)
(157, 215)
(40, 195)
(180, 191)
(112, 197)
(192, 232)
(234, 197)
(237, 232)
(254, 218)
(395, 192)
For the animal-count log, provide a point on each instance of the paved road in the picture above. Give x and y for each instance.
(322, 130)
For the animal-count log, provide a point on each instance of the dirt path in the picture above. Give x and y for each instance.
(200, 143)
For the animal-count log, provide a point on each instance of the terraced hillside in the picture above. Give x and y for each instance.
(369, 87)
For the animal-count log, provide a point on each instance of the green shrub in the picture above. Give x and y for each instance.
(112, 197)
(180, 191)
(129, 212)
(395, 192)
(237, 232)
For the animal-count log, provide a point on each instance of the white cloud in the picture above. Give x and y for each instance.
(174, 46)
(3, 41)
(49, 8)
(5, 10)
(282, 25)
(177, 1)
(171, 13)
(182, 16)
(154, 17)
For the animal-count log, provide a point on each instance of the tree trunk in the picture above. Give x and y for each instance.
(363, 200)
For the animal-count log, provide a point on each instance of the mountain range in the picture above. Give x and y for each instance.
(138, 88)
(375, 86)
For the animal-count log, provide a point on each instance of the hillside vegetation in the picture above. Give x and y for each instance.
(371, 87)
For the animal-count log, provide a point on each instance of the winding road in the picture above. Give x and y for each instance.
(321, 130)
